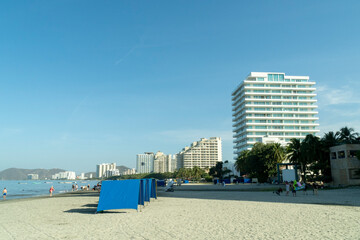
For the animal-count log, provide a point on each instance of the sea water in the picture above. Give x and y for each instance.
(33, 188)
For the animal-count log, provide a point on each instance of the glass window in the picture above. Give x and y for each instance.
(341, 154)
(260, 79)
(352, 153)
(333, 155)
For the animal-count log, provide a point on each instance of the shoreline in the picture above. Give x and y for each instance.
(57, 195)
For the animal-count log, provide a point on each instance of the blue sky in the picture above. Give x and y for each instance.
(87, 82)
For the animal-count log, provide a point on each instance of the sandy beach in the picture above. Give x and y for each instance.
(188, 214)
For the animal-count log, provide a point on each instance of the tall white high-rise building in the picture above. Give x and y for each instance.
(102, 169)
(145, 162)
(204, 153)
(162, 162)
(273, 107)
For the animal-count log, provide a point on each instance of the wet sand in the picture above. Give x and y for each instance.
(188, 214)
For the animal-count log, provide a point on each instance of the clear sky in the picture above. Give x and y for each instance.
(87, 82)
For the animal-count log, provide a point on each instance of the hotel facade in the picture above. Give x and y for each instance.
(145, 162)
(272, 107)
(204, 153)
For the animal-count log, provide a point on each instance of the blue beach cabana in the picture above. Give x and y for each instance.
(126, 194)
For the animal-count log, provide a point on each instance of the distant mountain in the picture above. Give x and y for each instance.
(21, 174)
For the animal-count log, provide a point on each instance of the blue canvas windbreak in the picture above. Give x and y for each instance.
(141, 193)
(147, 190)
(153, 189)
(119, 195)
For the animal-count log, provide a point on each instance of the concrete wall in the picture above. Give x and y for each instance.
(344, 164)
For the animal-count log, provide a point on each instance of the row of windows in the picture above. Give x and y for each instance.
(283, 121)
(278, 97)
(276, 134)
(341, 154)
(276, 91)
(280, 127)
(280, 109)
(278, 86)
(278, 115)
(281, 103)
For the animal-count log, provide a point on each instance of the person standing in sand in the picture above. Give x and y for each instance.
(52, 189)
(287, 187)
(293, 190)
(4, 193)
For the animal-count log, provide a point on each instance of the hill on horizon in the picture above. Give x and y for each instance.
(21, 174)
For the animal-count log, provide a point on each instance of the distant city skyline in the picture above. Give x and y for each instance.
(83, 83)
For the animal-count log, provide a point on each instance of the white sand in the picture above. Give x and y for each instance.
(188, 215)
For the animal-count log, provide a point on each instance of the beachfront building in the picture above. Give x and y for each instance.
(145, 162)
(129, 171)
(177, 162)
(163, 163)
(101, 169)
(344, 164)
(112, 172)
(273, 107)
(33, 176)
(204, 153)
(68, 175)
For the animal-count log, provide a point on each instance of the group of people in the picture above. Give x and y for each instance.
(294, 186)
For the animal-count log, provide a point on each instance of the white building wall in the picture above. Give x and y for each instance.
(273, 106)
(204, 153)
(145, 162)
(102, 169)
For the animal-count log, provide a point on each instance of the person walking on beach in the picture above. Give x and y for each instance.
(293, 190)
(4, 193)
(305, 188)
(73, 187)
(52, 189)
(315, 189)
(287, 187)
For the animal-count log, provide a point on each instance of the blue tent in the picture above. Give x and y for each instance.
(124, 194)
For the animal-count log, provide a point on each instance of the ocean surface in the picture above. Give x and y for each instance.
(33, 188)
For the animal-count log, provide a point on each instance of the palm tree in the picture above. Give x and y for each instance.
(310, 151)
(278, 152)
(347, 135)
(293, 150)
(241, 161)
(196, 172)
(330, 139)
